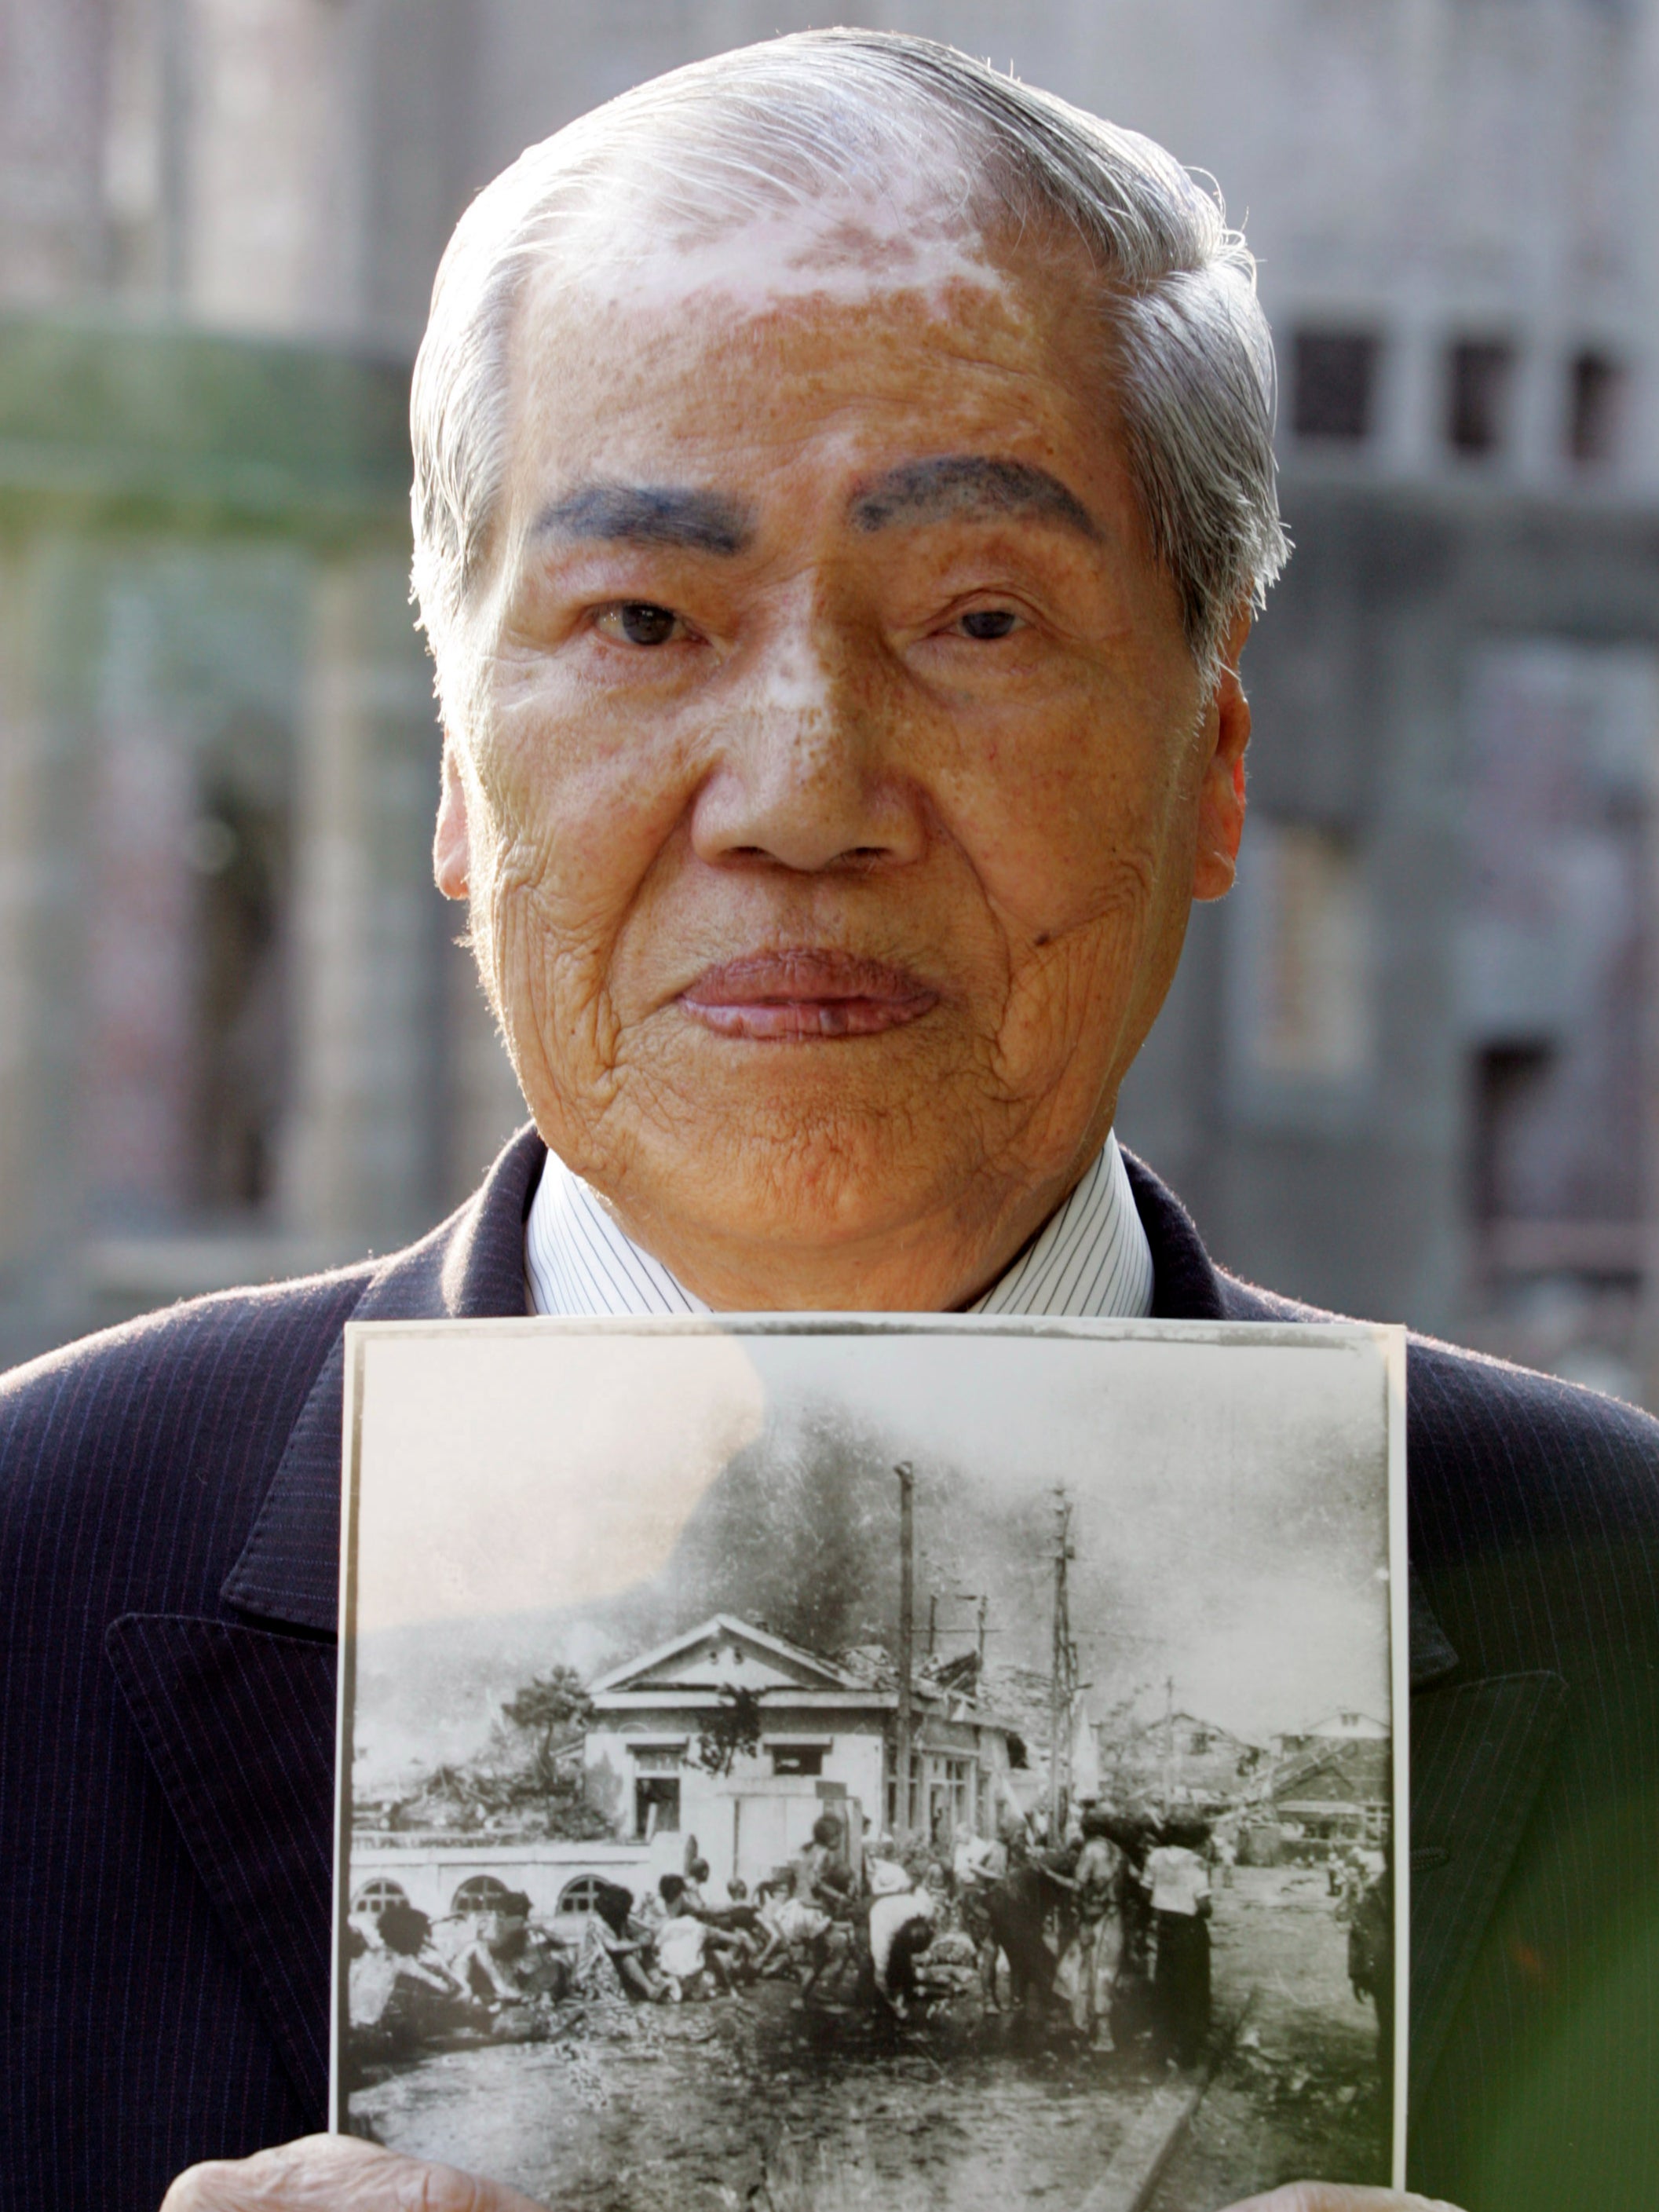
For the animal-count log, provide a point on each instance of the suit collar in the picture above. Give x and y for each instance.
(470, 1267)
(1187, 1285)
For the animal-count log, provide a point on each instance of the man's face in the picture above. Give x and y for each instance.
(844, 776)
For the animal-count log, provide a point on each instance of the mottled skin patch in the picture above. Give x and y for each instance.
(816, 753)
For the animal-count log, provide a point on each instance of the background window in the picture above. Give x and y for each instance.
(1334, 381)
(1595, 392)
(1480, 373)
(1555, 955)
(1511, 1083)
(1301, 1006)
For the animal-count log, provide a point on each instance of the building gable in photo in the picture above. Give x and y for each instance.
(721, 1652)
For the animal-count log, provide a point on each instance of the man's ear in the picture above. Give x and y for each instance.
(1221, 794)
(452, 845)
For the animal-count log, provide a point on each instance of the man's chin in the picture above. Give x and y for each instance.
(760, 1193)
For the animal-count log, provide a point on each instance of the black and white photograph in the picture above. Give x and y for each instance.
(911, 1763)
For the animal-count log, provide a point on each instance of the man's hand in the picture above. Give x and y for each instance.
(334, 2173)
(1335, 2196)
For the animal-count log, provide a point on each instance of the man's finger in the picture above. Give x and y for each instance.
(334, 2173)
(1338, 2197)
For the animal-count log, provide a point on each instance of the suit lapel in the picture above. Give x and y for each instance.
(239, 1719)
(239, 1725)
(471, 1268)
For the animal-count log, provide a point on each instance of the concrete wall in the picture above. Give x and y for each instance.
(1352, 1185)
(430, 1874)
(229, 994)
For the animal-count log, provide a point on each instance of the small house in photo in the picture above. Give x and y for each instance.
(733, 1735)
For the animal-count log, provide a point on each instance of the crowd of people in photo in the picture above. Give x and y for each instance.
(1095, 1930)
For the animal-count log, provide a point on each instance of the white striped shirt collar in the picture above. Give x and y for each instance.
(1090, 1259)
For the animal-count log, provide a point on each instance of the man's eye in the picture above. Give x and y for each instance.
(987, 622)
(639, 622)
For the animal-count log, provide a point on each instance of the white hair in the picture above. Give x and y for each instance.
(797, 119)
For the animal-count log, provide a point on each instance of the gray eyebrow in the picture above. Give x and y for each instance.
(969, 484)
(650, 514)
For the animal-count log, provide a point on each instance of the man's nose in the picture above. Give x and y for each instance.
(810, 773)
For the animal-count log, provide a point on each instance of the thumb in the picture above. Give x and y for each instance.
(336, 2174)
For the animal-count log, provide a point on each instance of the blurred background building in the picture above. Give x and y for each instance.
(1409, 1070)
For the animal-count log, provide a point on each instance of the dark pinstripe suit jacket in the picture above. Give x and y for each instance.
(170, 1513)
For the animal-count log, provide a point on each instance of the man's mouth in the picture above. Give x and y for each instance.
(806, 994)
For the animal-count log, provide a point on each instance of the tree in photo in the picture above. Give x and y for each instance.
(553, 1708)
(731, 1731)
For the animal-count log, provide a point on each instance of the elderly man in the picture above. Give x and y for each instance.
(843, 487)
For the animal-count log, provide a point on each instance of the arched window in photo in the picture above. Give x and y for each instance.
(479, 1893)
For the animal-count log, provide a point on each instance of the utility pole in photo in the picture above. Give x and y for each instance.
(1168, 1744)
(1064, 1665)
(903, 1729)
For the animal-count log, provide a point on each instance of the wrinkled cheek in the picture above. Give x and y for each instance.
(1061, 846)
(576, 835)
(1065, 1009)
(1080, 888)
(1078, 977)
(1130, 891)
(547, 972)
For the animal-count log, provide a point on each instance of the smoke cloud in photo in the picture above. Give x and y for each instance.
(1227, 1496)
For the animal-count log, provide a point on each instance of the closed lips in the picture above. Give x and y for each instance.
(804, 996)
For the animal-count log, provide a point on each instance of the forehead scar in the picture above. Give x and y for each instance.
(968, 484)
(650, 514)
